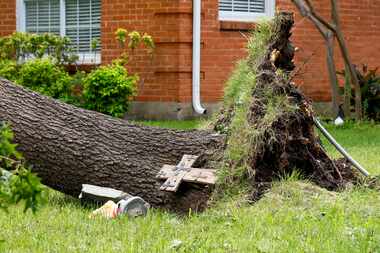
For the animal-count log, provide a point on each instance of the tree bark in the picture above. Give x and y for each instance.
(348, 62)
(69, 146)
(336, 98)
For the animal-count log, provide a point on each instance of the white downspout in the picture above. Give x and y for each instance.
(197, 57)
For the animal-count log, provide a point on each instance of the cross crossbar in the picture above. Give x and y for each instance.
(174, 175)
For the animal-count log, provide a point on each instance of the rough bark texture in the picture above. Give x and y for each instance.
(68, 146)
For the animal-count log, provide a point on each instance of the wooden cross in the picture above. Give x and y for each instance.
(174, 175)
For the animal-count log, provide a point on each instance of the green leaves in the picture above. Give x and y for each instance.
(36, 61)
(8, 69)
(108, 89)
(45, 77)
(369, 80)
(7, 148)
(27, 186)
(134, 39)
(19, 46)
(94, 44)
(121, 36)
(20, 184)
(148, 41)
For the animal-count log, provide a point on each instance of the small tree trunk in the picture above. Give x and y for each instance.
(347, 60)
(347, 93)
(336, 98)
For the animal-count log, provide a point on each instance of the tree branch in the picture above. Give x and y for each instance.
(336, 98)
(347, 60)
(328, 32)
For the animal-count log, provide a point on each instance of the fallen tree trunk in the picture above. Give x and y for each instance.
(68, 147)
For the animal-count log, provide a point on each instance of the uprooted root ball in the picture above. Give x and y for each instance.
(270, 124)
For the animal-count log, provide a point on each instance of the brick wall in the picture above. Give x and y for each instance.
(360, 24)
(160, 75)
(7, 17)
(167, 76)
(223, 44)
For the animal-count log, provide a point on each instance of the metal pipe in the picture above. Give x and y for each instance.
(339, 147)
(196, 100)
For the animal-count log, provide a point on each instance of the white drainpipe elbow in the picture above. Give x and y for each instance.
(196, 100)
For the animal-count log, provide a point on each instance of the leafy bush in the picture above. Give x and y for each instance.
(370, 89)
(43, 76)
(21, 184)
(109, 89)
(20, 46)
(35, 61)
(8, 69)
(369, 81)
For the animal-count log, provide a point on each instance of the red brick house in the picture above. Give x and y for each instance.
(169, 79)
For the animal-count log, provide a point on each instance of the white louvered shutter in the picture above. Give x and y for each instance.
(246, 10)
(42, 16)
(248, 6)
(83, 23)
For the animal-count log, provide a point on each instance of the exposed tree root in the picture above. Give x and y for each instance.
(287, 141)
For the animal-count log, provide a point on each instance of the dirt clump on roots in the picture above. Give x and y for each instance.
(282, 136)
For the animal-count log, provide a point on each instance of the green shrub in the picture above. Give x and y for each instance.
(369, 80)
(43, 76)
(109, 89)
(370, 88)
(20, 46)
(19, 184)
(35, 61)
(8, 69)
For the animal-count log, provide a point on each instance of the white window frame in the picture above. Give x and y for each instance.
(270, 6)
(84, 58)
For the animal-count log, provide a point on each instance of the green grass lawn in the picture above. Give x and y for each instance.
(362, 141)
(294, 216)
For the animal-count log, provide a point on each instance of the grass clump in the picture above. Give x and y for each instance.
(245, 138)
(237, 100)
(242, 80)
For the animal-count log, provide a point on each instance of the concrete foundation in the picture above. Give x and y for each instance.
(182, 111)
(167, 111)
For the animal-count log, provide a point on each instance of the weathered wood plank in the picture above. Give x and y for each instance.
(187, 161)
(195, 175)
(172, 183)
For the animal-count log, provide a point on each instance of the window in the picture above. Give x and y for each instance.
(83, 23)
(245, 10)
(77, 19)
(42, 16)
